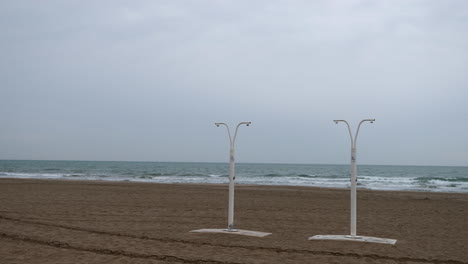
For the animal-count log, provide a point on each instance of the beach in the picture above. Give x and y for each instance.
(64, 221)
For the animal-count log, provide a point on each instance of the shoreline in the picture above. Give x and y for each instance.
(386, 178)
(359, 189)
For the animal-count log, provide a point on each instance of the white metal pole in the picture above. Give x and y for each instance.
(231, 189)
(353, 191)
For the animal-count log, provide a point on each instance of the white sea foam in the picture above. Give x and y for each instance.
(31, 175)
(367, 182)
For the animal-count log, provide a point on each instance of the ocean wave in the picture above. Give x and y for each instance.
(153, 174)
(372, 177)
(273, 175)
(307, 176)
(454, 179)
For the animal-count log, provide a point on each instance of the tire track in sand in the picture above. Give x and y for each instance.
(120, 253)
(169, 240)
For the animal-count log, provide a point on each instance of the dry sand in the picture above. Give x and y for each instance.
(45, 221)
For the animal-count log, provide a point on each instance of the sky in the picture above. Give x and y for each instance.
(146, 80)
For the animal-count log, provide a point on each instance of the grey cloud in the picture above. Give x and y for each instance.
(114, 80)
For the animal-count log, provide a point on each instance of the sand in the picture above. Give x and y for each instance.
(52, 221)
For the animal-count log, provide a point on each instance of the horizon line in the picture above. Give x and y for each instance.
(279, 163)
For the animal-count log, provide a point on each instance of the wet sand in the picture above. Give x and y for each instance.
(52, 221)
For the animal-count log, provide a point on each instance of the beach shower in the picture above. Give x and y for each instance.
(232, 177)
(353, 236)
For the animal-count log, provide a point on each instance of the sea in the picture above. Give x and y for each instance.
(374, 177)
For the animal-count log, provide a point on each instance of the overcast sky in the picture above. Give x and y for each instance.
(146, 80)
